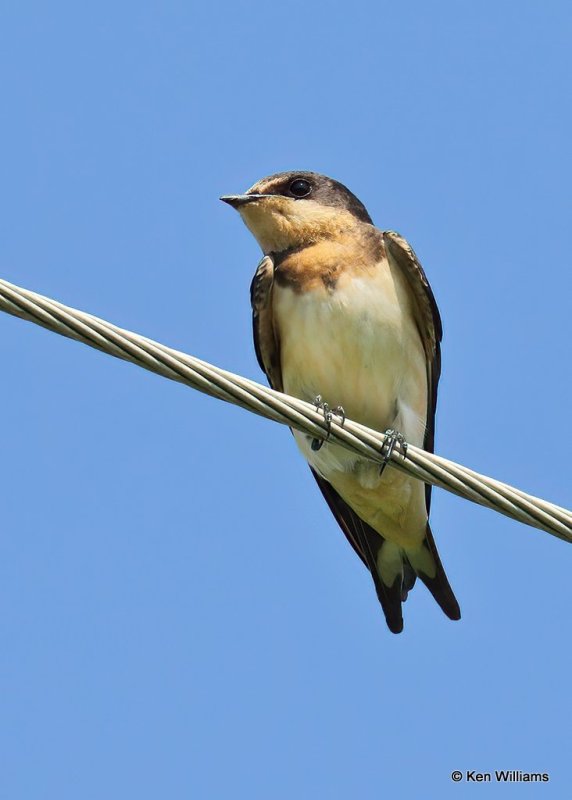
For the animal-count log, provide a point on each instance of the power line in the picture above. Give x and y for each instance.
(282, 408)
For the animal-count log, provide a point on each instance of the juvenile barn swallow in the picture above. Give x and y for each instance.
(343, 311)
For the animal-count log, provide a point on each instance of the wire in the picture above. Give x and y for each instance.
(282, 408)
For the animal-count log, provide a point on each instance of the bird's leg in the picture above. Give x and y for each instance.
(391, 439)
(339, 412)
(325, 408)
(328, 416)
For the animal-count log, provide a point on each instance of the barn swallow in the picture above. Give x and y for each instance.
(343, 311)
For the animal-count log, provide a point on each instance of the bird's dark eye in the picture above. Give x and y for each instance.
(300, 188)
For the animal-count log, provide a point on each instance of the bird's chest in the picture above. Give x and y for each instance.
(345, 343)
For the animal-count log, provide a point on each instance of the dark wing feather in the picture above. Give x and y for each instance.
(367, 543)
(265, 339)
(343, 514)
(428, 323)
(431, 331)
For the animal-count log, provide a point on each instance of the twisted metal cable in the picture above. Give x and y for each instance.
(282, 408)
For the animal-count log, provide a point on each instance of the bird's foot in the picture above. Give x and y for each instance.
(391, 439)
(329, 414)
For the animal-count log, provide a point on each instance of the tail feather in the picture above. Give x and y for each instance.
(427, 564)
(409, 578)
(386, 567)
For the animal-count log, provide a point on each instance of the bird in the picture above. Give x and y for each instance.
(343, 311)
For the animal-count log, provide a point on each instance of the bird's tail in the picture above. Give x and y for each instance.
(426, 563)
(396, 570)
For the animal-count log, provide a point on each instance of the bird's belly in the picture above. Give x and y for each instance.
(351, 347)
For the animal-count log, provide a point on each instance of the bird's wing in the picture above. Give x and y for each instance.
(428, 321)
(266, 342)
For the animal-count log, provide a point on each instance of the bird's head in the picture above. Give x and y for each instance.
(292, 209)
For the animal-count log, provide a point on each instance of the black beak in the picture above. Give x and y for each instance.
(238, 200)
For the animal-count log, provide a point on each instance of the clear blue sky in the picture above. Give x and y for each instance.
(179, 615)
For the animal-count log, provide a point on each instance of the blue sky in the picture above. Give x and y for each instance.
(179, 614)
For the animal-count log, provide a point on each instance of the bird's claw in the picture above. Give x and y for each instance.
(391, 439)
(329, 414)
(339, 412)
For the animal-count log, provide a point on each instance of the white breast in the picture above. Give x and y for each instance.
(357, 346)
